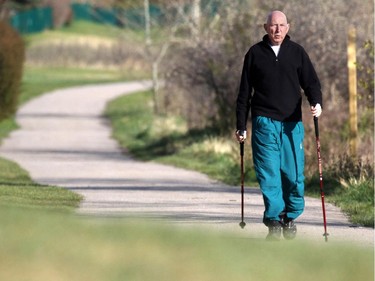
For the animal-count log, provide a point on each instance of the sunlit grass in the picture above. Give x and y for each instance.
(78, 29)
(39, 80)
(17, 189)
(48, 246)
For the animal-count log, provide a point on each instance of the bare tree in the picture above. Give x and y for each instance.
(176, 19)
(204, 75)
(209, 70)
(196, 17)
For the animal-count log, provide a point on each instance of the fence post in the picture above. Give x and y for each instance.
(352, 76)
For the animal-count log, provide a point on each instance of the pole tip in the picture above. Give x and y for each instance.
(242, 224)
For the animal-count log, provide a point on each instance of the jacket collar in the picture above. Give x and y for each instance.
(266, 39)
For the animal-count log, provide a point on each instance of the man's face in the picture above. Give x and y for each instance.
(277, 28)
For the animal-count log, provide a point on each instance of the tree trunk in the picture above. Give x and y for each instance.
(196, 18)
(147, 22)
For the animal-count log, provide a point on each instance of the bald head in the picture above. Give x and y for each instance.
(276, 27)
(276, 14)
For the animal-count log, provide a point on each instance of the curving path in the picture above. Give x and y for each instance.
(64, 140)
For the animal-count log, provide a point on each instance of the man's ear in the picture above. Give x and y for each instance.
(265, 27)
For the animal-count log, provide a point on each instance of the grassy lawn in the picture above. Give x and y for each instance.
(17, 189)
(43, 246)
(84, 30)
(38, 80)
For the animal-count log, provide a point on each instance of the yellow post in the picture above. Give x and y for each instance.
(352, 76)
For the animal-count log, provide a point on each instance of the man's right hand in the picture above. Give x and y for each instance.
(241, 135)
(316, 110)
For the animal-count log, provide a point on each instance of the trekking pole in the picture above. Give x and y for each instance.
(316, 125)
(242, 223)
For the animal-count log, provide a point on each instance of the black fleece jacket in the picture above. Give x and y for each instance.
(271, 86)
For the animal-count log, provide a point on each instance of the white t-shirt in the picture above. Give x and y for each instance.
(276, 49)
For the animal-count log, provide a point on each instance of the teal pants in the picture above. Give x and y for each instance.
(278, 156)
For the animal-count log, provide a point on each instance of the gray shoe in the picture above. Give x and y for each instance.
(289, 230)
(274, 231)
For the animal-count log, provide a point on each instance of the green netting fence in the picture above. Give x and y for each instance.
(33, 20)
(39, 19)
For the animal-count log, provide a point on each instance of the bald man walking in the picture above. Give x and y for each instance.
(275, 71)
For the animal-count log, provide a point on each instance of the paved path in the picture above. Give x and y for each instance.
(64, 140)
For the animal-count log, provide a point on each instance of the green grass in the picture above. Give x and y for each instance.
(358, 201)
(17, 189)
(39, 245)
(355, 199)
(89, 28)
(39, 80)
(82, 29)
(6, 126)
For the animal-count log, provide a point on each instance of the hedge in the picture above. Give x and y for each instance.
(12, 56)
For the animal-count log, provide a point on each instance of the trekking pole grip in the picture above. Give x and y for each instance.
(242, 148)
(316, 125)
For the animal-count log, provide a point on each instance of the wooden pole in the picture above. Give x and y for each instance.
(352, 76)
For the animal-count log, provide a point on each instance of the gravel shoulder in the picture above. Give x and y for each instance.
(64, 140)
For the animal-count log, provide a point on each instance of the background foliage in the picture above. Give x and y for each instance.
(11, 65)
(202, 75)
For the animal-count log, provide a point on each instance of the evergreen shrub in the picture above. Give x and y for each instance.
(12, 55)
